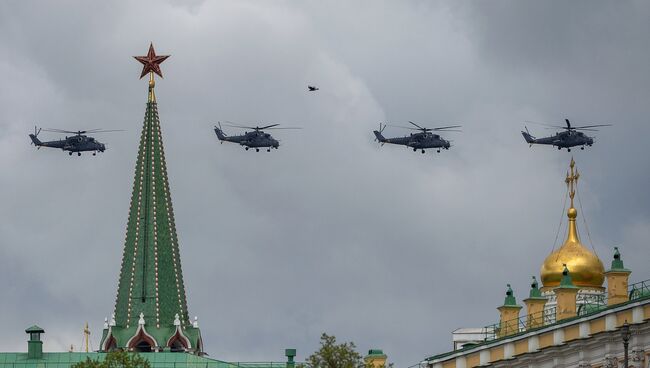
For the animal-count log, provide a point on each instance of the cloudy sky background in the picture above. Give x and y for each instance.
(331, 233)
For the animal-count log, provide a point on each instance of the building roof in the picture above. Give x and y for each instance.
(157, 360)
(640, 293)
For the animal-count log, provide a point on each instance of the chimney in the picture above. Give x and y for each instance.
(290, 354)
(34, 344)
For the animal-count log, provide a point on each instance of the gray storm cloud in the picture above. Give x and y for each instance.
(331, 233)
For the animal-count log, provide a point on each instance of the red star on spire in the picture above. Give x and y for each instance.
(151, 62)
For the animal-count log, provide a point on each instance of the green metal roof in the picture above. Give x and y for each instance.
(157, 360)
(510, 300)
(34, 328)
(617, 262)
(567, 281)
(535, 293)
(151, 278)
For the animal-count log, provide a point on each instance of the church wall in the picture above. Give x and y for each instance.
(597, 326)
(496, 353)
(521, 347)
(473, 360)
(623, 316)
(546, 340)
(449, 364)
(572, 333)
(591, 347)
(646, 312)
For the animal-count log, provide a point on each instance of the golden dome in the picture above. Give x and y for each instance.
(587, 270)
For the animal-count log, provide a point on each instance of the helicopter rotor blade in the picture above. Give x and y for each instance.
(59, 131)
(592, 126)
(239, 126)
(417, 125)
(545, 124)
(268, 126)
(105, 131)
(403, 127)
(447, 127)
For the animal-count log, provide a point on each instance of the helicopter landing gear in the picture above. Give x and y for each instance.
(94, 153)
(422, 151)
(257, 149)
(568, 149)
(582, 148)
(268, 150)
(438, 150)
(559, 148)
(415, 149)
(78, 153)
(70, 153)
(246, 148)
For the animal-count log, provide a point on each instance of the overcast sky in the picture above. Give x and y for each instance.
(331, 233)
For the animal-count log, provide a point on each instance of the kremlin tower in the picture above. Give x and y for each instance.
(151, 307)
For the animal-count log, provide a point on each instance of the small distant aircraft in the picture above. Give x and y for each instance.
(78, 143)
(257, 138)
(571, 137)
(418, 141)
(312, 88)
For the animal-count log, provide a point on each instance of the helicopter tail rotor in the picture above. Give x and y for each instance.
(528, 137)
(220, 134)
(378, 136)
(34, 137)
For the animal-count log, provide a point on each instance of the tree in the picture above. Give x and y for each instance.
(116, 359)
(333, 355)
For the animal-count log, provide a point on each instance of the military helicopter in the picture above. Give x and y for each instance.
(78, 142)
(418, 141)
(256, 138)
(312, 88)
(571, 137)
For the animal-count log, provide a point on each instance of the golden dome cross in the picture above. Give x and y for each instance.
(572, 180)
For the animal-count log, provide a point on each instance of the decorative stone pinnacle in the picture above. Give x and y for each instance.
(177, 320)
(112, 323)
(510, 297)
(196, 322)
(617, 262)
(141, 320)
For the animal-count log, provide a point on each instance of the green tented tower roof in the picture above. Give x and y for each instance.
(151, 306)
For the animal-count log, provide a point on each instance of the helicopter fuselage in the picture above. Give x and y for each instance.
(416, 140)
(77, 143)
(561, 140)
(254, 139)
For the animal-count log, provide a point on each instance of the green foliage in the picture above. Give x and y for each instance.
(116, 359)
(333, 355)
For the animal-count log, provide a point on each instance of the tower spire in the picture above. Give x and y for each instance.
(151, 291)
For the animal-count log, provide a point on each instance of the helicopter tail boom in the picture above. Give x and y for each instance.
(529, 138)
(220, 134)
(37, 142)
(379, 136)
